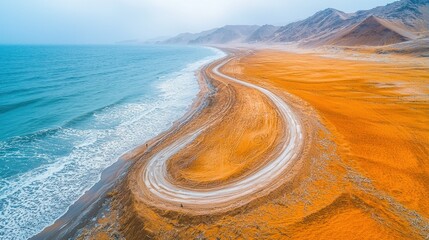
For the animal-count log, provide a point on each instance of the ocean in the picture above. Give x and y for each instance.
(69, 112)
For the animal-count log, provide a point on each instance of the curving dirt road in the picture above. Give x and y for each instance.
(238, 166)
(155, 177)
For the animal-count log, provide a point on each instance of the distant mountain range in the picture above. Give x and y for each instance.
(394, 23)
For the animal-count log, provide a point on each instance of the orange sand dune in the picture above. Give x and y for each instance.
(378, 114)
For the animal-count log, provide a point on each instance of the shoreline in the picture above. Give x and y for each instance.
(91, 202)
(329, 189)
(87, 206)
(73, 222)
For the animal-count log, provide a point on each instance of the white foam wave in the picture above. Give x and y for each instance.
(33, 200)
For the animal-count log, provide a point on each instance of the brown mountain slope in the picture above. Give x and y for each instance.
(373, 31)
(412, 15)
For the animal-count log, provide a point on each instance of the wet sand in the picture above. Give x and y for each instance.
(80, 213)
(83, 218)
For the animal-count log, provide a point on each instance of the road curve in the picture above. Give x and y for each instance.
(155, 177)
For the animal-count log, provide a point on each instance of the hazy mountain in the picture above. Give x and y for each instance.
(399, 21)
(227, 34)
(409, 18)
(186, 38)
(322, 22)
(262, 34)
(414, 14)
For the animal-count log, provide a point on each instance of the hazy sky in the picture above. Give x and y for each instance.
(108, 21)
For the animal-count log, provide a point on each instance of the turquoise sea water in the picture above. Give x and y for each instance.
(68, 112)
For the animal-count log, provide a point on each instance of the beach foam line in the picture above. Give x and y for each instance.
(31, 201)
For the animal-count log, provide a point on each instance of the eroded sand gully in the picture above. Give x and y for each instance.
(362, 171)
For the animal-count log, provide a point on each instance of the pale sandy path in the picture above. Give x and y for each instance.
(155, 178)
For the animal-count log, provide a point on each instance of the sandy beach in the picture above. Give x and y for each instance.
(234, 166)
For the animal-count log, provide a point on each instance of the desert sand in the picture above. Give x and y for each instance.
(359, 171)
(377, 117)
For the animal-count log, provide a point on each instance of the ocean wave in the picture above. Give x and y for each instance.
(71, 159)
(9, 107)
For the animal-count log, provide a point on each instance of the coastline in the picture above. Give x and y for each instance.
(214, 120)
(328, 190)
(93, 201)
(87, 206)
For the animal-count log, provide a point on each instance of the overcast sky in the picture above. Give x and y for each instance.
(109, 21)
